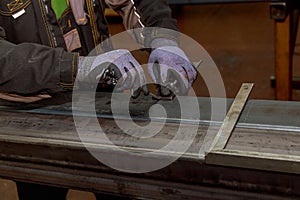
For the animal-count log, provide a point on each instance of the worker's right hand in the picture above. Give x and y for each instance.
(170, 68)
(116, 68)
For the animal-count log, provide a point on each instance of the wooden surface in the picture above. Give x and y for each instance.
(283, 59)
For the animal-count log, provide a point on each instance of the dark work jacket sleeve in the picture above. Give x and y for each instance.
(147, 13)
(155, 13)
(150, 13)
(30, 68)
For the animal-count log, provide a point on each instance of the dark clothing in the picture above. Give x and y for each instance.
(34, 55)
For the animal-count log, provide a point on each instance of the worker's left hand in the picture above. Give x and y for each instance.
(117, 68)
(170, 68)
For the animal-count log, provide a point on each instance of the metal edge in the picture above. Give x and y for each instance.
(255, 160)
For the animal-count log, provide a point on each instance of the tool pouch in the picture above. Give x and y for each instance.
(77, 7)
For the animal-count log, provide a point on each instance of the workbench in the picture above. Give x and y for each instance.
(39, 144)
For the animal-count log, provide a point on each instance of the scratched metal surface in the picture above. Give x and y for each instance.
(257, 113)
(272, 120)
(40, 140)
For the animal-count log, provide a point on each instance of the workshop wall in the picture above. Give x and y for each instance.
(239, 38)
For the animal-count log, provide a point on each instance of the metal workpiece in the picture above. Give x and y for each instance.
(39, 143)
(225, 152)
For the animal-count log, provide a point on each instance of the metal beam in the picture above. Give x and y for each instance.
(39, 144)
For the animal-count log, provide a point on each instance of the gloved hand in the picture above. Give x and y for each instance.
(115, 68)
(170, 68)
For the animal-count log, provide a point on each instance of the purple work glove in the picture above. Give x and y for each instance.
(115, 68)
(170, 68)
